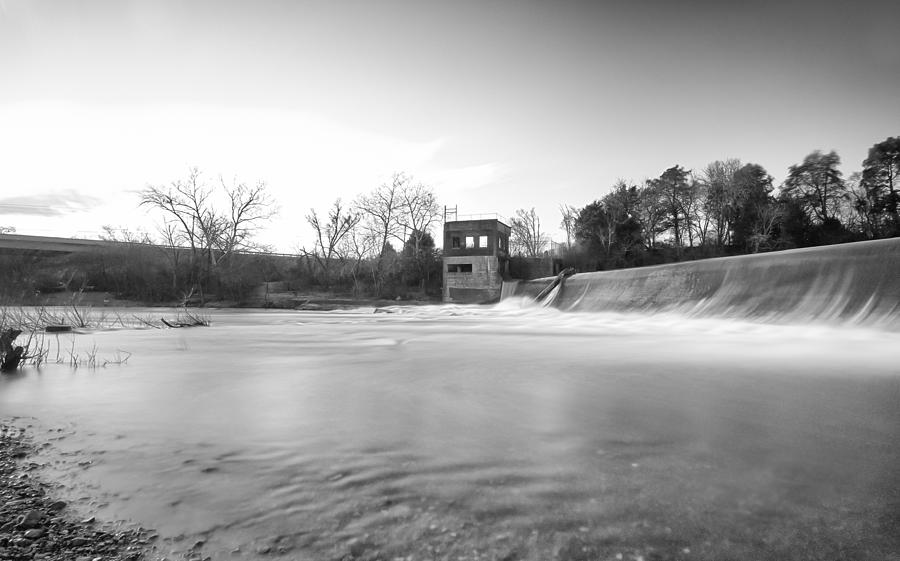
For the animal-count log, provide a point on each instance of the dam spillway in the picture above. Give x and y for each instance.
(856, 283)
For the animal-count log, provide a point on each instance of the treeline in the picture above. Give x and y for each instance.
(206, 251)
(729, 207)
(354, 245)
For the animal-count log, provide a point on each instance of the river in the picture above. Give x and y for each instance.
(454, 432)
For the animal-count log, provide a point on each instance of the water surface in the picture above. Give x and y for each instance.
(466, 433)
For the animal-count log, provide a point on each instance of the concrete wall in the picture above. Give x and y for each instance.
(483, 284)
(490, 228)
(847, 283)
(527, 268)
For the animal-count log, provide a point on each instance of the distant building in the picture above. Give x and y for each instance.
(476, 258)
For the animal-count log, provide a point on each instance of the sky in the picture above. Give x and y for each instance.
(496, 105)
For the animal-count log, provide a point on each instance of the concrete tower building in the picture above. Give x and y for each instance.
(476, 258)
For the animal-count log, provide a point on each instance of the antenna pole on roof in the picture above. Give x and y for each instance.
(449, 213)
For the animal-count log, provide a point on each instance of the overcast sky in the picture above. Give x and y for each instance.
(497, 105)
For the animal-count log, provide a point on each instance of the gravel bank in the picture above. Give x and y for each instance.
(35, 525)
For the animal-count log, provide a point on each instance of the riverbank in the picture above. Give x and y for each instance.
(36, 525)
(259, 298)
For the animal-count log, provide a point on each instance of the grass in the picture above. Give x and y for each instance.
(32, 319)
(33, 323)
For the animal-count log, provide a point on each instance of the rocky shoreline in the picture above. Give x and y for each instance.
(35, 525)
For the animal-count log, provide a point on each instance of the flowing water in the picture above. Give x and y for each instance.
(856, 283)
(508, 432)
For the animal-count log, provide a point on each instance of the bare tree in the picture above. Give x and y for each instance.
(7, 230)
(248, 207)
(419, 210)
(125, 235)
(173, 242)
(652, 211)
(329, 235)
(569, 216)
(526, 237)
(357, 246)
(211, 235)
(395, 211)
(184, 204)
(768, 216)
(381, 208)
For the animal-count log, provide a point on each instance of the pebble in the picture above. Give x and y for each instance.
(34, 534)
(31, 519)
(46, 533)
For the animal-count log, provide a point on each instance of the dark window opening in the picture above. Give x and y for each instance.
(459, 268)
(454, 242)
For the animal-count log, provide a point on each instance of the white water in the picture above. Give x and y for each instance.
(454, 432)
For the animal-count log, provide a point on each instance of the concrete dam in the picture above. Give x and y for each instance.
(855, 284)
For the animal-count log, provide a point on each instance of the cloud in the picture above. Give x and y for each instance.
(112, 152)
(57, 203)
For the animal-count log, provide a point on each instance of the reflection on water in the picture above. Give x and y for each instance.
(455, 432)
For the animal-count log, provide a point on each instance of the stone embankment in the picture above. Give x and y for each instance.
(35, 525)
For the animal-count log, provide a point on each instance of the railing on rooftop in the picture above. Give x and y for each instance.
(482, 216)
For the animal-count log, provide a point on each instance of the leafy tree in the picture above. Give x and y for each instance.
(860, 212)
(652, 212)
(816, 185)
(795, 229)
(755, 213)
(881, 180)
(593, 228)
(419, 262)
(598, 224)
(719, 198)
(622, 204)
(672, 188)
(691, 207)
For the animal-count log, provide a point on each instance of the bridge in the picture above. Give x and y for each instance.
(48, 244)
